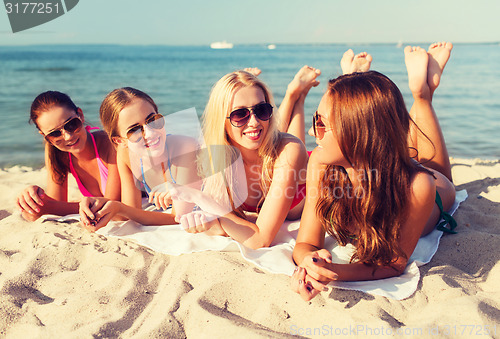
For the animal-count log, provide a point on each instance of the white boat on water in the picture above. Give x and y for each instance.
(271, 46)
(221, 45)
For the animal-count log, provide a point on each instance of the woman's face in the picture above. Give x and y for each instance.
(328, 149)
(54, 120)
(150, 140)
(250, 135)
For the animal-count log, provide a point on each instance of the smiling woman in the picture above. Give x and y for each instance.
(380, 177)
(89, 157)
(240, 122)
(145, 161)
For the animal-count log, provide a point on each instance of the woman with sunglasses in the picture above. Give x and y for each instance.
(147, 158)
(70, 148)
(240, 121)
(239, 115)
(366, 185)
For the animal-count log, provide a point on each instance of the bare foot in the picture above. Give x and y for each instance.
(304, 80)
(416, 60)
(351, 63)
(439, 53)
(253, 70)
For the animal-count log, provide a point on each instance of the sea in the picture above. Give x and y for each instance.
(467, 101)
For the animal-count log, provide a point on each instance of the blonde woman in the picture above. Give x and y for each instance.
(147, 158)
(240, 120)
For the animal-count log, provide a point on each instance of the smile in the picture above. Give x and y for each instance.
(253, 135)
(72, 144)
(153, 143)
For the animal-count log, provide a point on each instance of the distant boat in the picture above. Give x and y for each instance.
(271, 46)
(221, 45)
(399, 44)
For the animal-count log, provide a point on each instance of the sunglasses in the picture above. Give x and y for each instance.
(154, 121)
(71, 126)
(241, 116)
(319, 127)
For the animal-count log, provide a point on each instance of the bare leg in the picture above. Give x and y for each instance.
(297, 125)
(351, 63)
(292, 106)
(433, 152)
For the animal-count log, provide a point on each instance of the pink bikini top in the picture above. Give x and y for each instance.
(103, 170)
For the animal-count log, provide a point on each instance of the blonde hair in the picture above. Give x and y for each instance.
(220, 154)
(115, 102)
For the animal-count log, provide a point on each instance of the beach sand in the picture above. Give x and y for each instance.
(58, 280)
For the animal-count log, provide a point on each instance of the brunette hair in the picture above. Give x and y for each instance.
(221, 156)
(43, 103)
(115, 102)
(371, 123)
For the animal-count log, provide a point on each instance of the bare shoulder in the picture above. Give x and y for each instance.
(105, 147)
(315, 169)
(101, 137)
(291, 151)
(314, 163)
(423, 188)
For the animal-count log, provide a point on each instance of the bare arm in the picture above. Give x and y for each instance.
(97, 212)
(292, 159)
(35, 202)
(311, 236)
(307, 252)
(113, 185)
(131, 204)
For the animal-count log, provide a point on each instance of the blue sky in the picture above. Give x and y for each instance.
(196, 22)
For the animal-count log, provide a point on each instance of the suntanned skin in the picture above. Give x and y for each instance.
(97, 212)
(315, 266)
(34, 201)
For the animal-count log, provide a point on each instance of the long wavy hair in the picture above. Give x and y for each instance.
(115, 102)
(215, 165)
(44, 102)
(370, 120)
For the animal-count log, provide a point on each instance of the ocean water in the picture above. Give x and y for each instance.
(467, 101)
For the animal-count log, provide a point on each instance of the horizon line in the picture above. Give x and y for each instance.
(253, 44)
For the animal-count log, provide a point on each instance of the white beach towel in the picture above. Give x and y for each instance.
(173, 240)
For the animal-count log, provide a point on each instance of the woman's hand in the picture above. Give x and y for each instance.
(201, 221)
(317, 265)
(160, 197)
(305, 285)
(97, 212)
(202, 200)
(30, 202)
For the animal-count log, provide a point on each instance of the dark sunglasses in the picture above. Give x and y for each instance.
(319, 127)
(240, 116)
(70, 126)
(154, 121)
(317, 123)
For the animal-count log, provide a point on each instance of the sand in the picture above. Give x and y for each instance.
(58, 280)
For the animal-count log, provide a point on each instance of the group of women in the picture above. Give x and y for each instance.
(379, 179)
